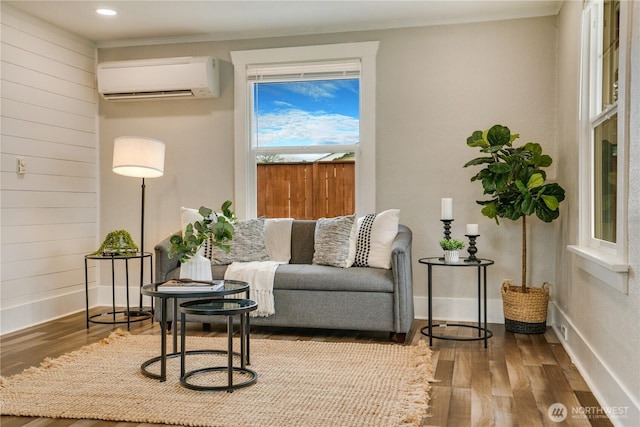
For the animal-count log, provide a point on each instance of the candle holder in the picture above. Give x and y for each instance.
(472, 248)
(447, 228)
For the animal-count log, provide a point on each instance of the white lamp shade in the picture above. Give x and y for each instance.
(139, 157)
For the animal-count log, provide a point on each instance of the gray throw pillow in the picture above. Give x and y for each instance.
(335, 241)
(247, 244)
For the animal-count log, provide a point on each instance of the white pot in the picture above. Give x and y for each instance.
(451, 256)
(198, 268)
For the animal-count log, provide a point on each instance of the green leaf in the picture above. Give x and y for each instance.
(545, 214)
(490, 211)
(489, 185)
(554, 189)
(499, 135)
(205, 212)
(499, 168)
(533, 147)
(551, 202)
(476, 140)
(528, 205)
(544, 161)
(521, 186)
(479, 161)
(536, 180)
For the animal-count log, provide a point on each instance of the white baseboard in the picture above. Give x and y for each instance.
(35, 312)
(458, 309)
(623, 409)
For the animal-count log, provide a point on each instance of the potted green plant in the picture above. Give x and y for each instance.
(217, 228)
(514, 180)
(452, 248)
(117, 243)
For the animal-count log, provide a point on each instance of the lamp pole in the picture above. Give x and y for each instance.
(142, 239)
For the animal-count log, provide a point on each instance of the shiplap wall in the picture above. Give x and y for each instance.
(48, 215)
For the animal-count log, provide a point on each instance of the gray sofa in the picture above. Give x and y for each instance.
(318, 296)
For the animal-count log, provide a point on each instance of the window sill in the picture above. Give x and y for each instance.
(605, 267)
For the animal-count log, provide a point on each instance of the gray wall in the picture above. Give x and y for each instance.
(435, 86)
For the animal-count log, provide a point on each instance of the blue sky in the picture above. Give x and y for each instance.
(324, 112)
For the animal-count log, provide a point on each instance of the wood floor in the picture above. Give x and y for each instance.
(511, 383)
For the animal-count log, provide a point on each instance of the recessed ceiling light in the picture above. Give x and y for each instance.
(106, 12)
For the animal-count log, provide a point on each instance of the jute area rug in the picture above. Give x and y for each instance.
(300, 383)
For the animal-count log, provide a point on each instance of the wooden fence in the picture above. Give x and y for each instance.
(306, 190)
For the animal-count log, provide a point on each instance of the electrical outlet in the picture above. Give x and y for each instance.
(565, 332)
(21, 166)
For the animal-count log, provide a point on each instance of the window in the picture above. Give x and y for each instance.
(305, 130)
(603, 140)
(313, 104)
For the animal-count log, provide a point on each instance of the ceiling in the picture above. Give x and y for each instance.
(150, 22)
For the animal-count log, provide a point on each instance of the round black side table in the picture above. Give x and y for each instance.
(481, 265)
(138, 315)
(220, 307)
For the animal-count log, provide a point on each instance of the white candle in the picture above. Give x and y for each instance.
(472, 229)
(447, 208)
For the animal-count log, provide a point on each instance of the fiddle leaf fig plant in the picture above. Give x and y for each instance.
(216, 227)
(514, 180)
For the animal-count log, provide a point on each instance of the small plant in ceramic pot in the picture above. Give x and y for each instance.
(452, 248)
(452, 244)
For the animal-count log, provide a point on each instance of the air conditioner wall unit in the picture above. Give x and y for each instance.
(148, 79)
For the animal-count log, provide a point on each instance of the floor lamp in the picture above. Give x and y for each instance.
(139, 157)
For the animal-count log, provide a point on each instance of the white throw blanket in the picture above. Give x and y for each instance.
(259, 275)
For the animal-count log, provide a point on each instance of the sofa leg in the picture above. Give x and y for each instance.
(206, 327)
(398, 337)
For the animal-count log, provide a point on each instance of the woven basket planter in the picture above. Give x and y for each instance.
(525, 313)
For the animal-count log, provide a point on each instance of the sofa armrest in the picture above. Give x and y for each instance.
(403, 279)
(163, 263)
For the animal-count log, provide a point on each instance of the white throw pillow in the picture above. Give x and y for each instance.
(188, 216)
(376, 233)
(335, 241)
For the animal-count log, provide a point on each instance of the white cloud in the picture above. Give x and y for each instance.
(297, 127)
(317, 90)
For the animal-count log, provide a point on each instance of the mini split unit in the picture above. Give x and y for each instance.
(147, 79)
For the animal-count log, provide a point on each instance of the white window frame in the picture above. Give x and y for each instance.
(605, 260)
(245, 162)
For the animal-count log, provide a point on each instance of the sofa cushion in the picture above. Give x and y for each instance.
(302, 241)
(376, 233)
(335, 241)
(247, 244)
(326, 278)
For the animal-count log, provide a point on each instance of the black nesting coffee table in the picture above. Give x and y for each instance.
(230, 287)
(220, 307)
